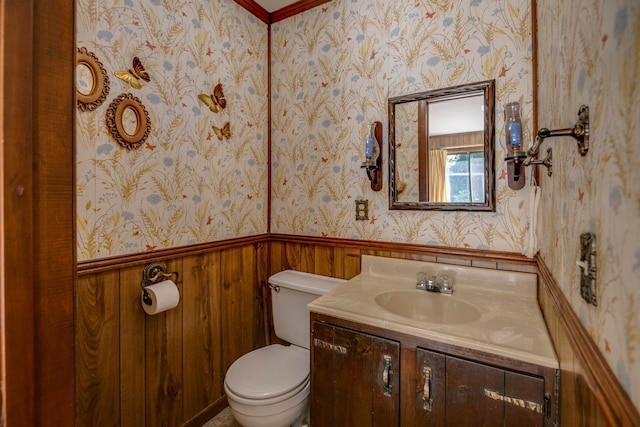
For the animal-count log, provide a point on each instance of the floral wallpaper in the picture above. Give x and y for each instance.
(184, 185)
(334, 68)
(589, 53)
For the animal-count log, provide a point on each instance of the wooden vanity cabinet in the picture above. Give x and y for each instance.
(367, 376)
(354, 378)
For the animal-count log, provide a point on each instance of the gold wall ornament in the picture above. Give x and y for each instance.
(92, 81)
(216, 101)
(128, 121)
(135, 74)
(224, 131)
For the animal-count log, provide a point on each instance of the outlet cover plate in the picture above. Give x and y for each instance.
(362, 210)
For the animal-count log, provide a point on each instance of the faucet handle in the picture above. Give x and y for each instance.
(421, 280)
(446, 285)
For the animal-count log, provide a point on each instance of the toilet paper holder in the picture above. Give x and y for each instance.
(152, 273)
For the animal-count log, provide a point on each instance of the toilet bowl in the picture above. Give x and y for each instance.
(269, 387)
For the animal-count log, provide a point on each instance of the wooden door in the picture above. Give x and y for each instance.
(17, 329)
(37, 243)
(354, 378)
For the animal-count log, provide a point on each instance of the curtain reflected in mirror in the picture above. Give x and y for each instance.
(438, 176)
(441, 149)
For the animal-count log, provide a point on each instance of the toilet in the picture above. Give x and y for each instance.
(269, 387)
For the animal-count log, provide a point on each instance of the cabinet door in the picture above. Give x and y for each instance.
(467, 404)
(354, 378)
(480, 395)
(385, 376)
(524, 400)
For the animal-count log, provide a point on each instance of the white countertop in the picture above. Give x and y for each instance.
(510, 323)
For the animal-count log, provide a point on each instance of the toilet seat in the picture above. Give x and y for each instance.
(272, 373)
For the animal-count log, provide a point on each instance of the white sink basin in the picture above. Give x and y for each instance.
(427, 306)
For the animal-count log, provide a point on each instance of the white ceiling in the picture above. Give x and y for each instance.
(273, 5)
(464, 114)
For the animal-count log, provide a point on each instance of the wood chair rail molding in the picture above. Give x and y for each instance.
(106, 264)
(448, 255)
(615, 404)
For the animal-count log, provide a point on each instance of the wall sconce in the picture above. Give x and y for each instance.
(515, 152)
(373, 156)
(580, 131)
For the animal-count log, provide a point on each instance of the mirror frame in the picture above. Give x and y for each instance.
(116, 127)
(487, 89)
(100, 89)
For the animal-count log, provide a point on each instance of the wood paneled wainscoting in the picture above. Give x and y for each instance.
(590, 394)
(341, 257)
(136, 370)
(168, 369)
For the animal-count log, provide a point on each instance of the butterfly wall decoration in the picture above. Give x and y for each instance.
(135, 74)
(224, 131)
(215, 101)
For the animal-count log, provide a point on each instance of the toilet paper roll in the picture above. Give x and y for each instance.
(162, 296)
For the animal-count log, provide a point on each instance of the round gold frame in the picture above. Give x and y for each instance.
(116, 126)
(100, 81)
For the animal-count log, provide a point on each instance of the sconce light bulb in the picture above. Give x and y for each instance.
(513, 128)
(368, 147)
(371, 147)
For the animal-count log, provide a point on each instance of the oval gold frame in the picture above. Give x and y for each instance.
(100, 88)
(114, 121)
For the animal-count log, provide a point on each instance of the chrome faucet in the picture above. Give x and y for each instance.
(444, 286)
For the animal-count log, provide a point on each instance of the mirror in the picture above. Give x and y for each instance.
(92, 81)
(441, 149)
(128, 121)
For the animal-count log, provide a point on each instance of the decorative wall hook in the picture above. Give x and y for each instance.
(580, 131)
(373, 156)
(153, 273)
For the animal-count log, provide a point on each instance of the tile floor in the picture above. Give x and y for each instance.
(223, 419)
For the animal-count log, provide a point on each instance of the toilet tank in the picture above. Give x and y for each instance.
(290, 312)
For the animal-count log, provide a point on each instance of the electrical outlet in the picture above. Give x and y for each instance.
(362, 210)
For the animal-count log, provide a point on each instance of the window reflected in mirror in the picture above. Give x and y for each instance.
(441, 149)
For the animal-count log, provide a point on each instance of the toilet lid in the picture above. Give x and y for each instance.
(268, 372)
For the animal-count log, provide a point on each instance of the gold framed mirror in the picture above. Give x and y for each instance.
(441, 149)
(92, 81)
(128, 121)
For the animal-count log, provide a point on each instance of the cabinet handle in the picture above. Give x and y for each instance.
(426, 389)
(526, 404)
(386, 375)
